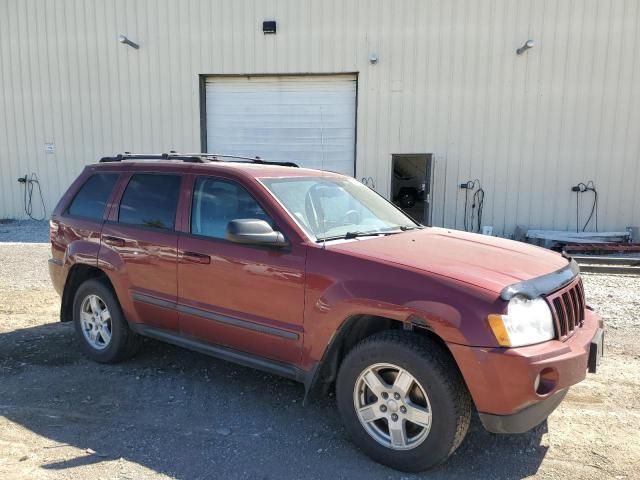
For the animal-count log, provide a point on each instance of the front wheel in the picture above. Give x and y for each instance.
(403, 401)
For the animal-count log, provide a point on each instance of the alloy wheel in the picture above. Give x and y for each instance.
(392, 406)
(96, 323)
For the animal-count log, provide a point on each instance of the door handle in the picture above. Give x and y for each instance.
(193, 257)
(113, 241)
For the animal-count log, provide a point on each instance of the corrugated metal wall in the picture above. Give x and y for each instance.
(448, 82)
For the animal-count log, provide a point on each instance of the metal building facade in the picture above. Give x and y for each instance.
(447, 82)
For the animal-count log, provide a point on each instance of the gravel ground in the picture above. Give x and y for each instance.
(24, 231)
(173, 413)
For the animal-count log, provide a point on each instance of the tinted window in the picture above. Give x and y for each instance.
(92, 197)
(217, 202)
(150, 200)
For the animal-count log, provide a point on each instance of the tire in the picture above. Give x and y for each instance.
(122, 344)
(434, 373)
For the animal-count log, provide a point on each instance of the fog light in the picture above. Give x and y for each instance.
(546, 381)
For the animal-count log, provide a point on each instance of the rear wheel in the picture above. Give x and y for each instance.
(100, 327)
(403, 401)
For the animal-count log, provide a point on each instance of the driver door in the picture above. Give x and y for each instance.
(245, 297)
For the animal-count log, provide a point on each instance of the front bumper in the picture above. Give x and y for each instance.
(504, 382)
(525, 419)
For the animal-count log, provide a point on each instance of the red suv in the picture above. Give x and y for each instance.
(313, 276)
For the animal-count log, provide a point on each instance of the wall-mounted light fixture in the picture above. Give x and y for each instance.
(123, 39)
(269, 27)
(527, 45)
(373, 58)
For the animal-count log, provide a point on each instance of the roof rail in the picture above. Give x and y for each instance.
(201, 157)
(220, 157)
(152, 156)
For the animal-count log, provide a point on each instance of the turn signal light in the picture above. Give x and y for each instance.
(499, 330)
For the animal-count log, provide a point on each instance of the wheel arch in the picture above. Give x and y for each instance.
(78, 274)
(352, 331)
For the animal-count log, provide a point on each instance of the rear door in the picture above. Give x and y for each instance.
(139, 246)
(250, 298)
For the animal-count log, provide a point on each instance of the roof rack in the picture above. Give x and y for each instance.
(221, 157)
(201, 157)
(152, 156)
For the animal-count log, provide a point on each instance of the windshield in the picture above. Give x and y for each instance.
(337, 207)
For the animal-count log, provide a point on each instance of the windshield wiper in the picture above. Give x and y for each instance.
(352, 235)
(357, 234)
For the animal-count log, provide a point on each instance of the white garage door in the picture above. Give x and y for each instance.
(309, 120)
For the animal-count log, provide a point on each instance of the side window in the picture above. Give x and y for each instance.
(150, 200)
(217, 202)
(92, 197)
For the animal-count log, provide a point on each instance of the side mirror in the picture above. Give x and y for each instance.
(252, 231)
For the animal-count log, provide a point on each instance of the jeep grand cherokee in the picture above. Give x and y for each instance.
(313, 276)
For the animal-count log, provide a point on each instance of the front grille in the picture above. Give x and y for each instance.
(567, 306)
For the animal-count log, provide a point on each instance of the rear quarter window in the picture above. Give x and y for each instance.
(91, 199)
(150, 200)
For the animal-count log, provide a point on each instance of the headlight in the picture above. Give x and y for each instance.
(526, 322)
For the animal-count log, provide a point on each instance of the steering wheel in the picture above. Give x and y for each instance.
(316, 215)
(350, 218)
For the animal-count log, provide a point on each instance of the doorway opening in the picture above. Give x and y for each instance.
(411, 185)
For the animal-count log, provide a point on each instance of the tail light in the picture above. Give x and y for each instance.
(53, 230)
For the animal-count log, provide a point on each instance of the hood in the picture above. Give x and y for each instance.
(487, 262)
